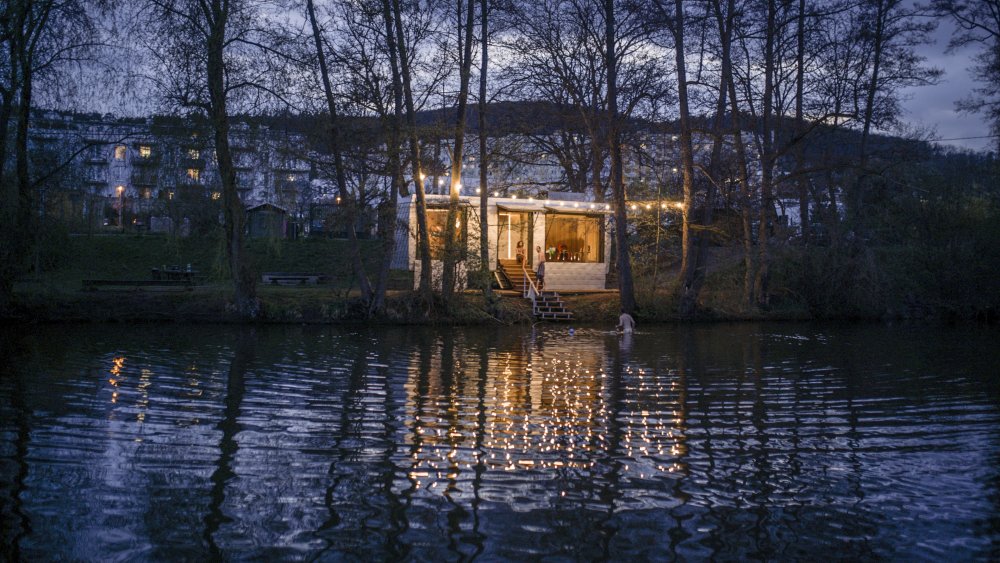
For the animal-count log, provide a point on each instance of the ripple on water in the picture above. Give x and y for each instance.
(727, 442)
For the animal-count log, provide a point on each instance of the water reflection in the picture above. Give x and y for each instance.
(724, 441)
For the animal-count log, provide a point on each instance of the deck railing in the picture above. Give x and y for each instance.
(530, 290)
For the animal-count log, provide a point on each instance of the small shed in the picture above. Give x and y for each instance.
(267, 221)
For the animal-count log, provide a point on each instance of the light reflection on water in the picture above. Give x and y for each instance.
(723, 441)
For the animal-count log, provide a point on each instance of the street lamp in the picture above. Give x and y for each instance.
(121, 208)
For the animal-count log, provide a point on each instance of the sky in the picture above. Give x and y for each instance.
(933, 107)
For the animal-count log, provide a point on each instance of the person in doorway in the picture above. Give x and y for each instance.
(626, 323)
(540, 273)
(519, 253)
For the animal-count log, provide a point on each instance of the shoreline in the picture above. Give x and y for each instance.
(320, 305)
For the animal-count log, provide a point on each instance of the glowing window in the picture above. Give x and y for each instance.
(119, 152)
(193, 174)
(145, 151)
(573, 238)
(437, 221)
(194, 154)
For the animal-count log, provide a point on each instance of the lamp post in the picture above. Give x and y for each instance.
(121, 208)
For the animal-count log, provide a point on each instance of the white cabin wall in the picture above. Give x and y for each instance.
(493, 216)
(567, 276)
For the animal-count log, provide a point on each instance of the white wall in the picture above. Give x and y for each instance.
(563, 276)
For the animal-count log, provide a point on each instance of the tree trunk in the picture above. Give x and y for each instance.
(22, 39)
(801, 181)
(338, 161)
(725, 23)
(484, 232)
(398, 183)
(423, 237)
(869, 112)
(9, 206)
(625, 288)
(691, 287)
(453, 242)
(767, 160)
(688, 295)
(244, 280)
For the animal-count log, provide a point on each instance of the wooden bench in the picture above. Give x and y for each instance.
(292, 278)
(93, 285)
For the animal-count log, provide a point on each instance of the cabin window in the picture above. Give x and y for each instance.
(437, 221)
(574, 238)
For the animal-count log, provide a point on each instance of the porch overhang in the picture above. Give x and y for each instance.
(579, 210)
(514, 208)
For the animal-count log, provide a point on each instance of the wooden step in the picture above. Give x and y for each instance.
(556, 316)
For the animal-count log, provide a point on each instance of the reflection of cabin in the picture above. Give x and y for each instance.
(572, 235)
(267, 221)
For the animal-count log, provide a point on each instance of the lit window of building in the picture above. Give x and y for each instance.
(119, 152)
(574, 238)
(194, 154)
(437, 221)
(216, 196)
(145, 151)
(193, 174)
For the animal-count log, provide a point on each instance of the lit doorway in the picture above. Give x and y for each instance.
(514, 227)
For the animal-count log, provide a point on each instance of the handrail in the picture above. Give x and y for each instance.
(530, 283)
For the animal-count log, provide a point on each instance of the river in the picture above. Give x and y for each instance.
(722, 441)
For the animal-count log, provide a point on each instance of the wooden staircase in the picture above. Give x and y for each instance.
(516, 276)
(548, 305)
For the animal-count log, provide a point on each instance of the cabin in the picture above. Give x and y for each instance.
(267, 221)
(571, 233)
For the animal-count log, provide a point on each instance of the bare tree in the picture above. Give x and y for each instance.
(978, 22)
(484, 233)
(210, 55)
(335, 147)
(625, 287)
(452, 239)
(38, 40)
(402, 52)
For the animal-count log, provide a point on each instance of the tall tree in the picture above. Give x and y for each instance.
(210, 54)
(891, 29)
(406, 81)
(38, 40)
(453, 240)
(625, 287)
(484, 231)
(335, 147)
(978, 22)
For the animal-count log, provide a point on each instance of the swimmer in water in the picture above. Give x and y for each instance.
(626, 323)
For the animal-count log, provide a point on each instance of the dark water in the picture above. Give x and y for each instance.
(289, 443)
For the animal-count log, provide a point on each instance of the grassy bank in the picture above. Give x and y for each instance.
(901, 282)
